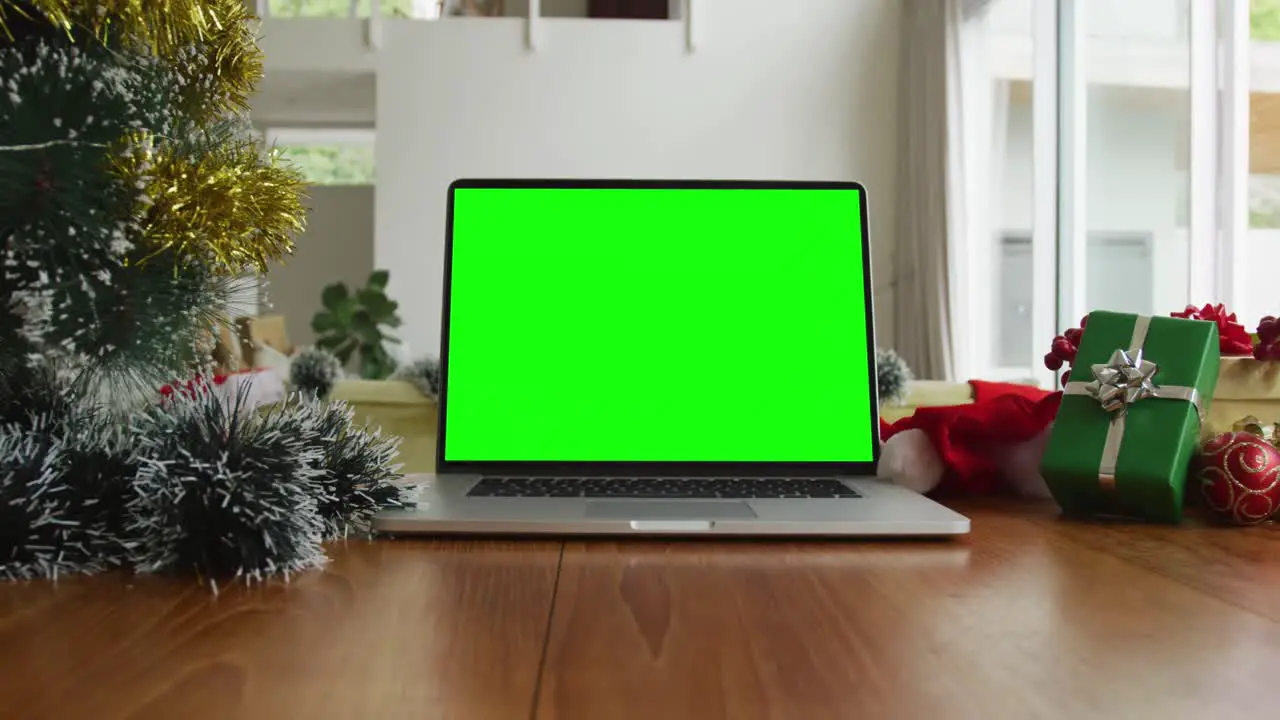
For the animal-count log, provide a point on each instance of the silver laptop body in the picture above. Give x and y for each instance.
(558, 495)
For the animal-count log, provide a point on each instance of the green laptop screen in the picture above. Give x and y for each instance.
(663, 325)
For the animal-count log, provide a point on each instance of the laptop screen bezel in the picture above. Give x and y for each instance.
(663, 468)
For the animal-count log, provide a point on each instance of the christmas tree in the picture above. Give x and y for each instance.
(135, 200)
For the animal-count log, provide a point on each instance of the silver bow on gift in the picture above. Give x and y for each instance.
(1125, 379)
(1122, 381)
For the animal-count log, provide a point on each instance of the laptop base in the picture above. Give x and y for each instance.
(881, 509)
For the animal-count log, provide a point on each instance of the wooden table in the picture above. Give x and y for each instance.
(1029, 617)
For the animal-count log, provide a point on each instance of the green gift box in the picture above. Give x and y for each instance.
(1130, 416)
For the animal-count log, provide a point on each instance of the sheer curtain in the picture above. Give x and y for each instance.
(931, 268)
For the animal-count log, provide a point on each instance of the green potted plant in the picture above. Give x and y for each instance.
(357, 325)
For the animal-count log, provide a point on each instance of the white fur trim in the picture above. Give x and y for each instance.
(909, 460)
(259, 387)
(1020, 466)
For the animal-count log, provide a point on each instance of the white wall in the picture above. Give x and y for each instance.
(316, 71)
(315, 45)
(336, 246)
(803, 89)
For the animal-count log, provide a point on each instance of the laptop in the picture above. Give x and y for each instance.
(624, 357)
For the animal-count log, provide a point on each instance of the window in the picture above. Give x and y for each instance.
(1005, 151)
(1264, 161)
(1121, 274)
(328, 157)
(1135, 58)
(1161, 185)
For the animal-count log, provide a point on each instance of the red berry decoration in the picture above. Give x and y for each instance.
(1268, 329)
(1064, 349)
(1267, 350)
(1238, 474)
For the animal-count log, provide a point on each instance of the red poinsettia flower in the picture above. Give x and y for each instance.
(1233, 339)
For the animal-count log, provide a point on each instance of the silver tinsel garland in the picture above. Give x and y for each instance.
(196, 486)
(45, 536)
(892, 376)
(61, 499)
(358, 473)
(314, 371)
(237, 502)
(424, 373)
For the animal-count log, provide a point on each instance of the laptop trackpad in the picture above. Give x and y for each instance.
(668, 510)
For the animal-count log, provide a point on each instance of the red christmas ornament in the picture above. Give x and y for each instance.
(1239, 477)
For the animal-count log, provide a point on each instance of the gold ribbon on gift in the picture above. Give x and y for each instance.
(1125, 379)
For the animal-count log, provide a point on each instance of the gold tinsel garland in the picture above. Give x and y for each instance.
(231, 207)
(228, 206)
(207, 41)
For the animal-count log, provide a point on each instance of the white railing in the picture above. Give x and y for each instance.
(683, 10)
(332, 9)
(419, 9)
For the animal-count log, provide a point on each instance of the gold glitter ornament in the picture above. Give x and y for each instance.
(211, 43)
(231, 207)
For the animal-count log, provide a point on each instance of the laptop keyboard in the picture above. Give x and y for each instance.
(638, 487)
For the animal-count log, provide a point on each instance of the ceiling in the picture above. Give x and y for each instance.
(300, 98)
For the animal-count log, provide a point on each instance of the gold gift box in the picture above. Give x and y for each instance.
(1246, 387)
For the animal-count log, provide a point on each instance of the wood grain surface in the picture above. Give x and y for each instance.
(391, 629)
(1029, 617)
